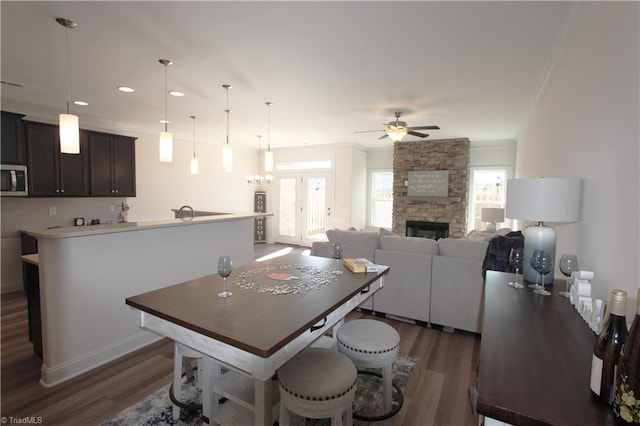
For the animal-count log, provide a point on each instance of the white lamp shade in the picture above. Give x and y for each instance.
(166, 147)
(69, 134)
(227, 158)
(544, 199)
(396, 134)
(492, 214)
(194, 166)
(268, 161)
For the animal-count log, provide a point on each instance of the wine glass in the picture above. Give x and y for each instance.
(534, 262)
(336, 252)
(543, 266)
(515, 260)
(225, 266)
(568, 264)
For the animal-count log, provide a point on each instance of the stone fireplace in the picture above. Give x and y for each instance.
(450, 155)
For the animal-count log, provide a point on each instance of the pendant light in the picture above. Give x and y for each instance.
(227, 152)
(69, 126)
(268, 155)
(194, 160)
(166, 138)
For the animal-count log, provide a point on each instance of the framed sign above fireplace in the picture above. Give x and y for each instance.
(428, 183)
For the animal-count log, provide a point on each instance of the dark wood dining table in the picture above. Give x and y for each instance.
(535, 358)
(255, 331)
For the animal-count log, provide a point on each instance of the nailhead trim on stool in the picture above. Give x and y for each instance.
(318, 383)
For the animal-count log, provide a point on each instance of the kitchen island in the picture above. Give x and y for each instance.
(86, 272)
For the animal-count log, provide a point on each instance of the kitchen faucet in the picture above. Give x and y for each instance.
(182, 209)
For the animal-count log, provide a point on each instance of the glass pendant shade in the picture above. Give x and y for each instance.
(166, 147)
(397, 135)
(268, 161)
(227, 158)
(69, 134)
(194, 166)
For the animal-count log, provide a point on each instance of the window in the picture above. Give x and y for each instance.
(486, 189)
(382, 198)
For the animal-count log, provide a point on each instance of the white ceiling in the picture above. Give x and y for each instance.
(330, 68)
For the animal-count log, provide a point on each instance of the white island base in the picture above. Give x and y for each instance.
(87, 272)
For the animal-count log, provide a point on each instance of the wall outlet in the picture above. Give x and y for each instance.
(111, 208)
(52, 210)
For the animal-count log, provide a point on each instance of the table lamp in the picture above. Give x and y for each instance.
(542, 200)
(492, 215)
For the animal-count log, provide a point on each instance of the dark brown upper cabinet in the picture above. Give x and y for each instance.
(52, 173)
(112, 165)
(13, 144)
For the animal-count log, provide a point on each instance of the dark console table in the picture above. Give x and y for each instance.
(535, 359)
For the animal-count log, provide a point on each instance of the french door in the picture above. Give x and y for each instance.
(304, 207)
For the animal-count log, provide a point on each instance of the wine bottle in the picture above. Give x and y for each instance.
(625, 405)
(606, 352)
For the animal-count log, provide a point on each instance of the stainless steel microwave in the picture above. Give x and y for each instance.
(14, 180)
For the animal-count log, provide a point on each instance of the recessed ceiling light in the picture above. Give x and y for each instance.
(176, 93)
(164, 121)
(81, 103)
(125, 89)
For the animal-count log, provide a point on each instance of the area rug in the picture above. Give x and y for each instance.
(156, 409)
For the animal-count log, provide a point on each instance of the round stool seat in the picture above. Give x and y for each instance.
(318, 383)
(369, 343)
(318, 374)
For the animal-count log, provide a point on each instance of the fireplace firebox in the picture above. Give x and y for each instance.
(433, 230)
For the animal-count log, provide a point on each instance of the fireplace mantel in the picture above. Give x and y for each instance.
(447, 199)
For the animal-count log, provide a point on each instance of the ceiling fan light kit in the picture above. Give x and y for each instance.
(396, 130)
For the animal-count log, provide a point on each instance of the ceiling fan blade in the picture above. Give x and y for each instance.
(418, 134)
(424, 128)
(383, 136)
(367, 131)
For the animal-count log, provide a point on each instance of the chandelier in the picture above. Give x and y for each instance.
(259, 178)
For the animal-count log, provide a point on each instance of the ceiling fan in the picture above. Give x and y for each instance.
(396, 130)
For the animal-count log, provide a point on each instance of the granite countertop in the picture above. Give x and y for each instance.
(109, 228)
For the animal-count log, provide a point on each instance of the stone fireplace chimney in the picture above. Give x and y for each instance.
(450, 155)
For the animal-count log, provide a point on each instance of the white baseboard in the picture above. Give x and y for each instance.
(54, 375)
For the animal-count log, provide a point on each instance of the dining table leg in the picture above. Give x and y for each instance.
(211, 376)
(263, 402)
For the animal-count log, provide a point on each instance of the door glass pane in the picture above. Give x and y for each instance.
(287, 206)
(316, 206)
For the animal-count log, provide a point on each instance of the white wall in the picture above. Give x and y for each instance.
(586, 125)
(165, 186)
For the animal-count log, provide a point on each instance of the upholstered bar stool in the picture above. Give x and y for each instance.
(318, 383)
(372, 344)
(182, 356)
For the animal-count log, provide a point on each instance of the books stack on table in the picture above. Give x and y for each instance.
(360, 265)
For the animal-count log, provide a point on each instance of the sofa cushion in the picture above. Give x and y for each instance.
(354, 238)
(468, 249)
(415, 245)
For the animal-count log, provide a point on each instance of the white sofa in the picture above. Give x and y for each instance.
(436, 282)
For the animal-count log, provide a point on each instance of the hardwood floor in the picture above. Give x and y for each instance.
(437, 393)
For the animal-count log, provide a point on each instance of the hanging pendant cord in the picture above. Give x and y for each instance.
(194, 135)
(66, 35)
(165, 99)
(227, 111)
